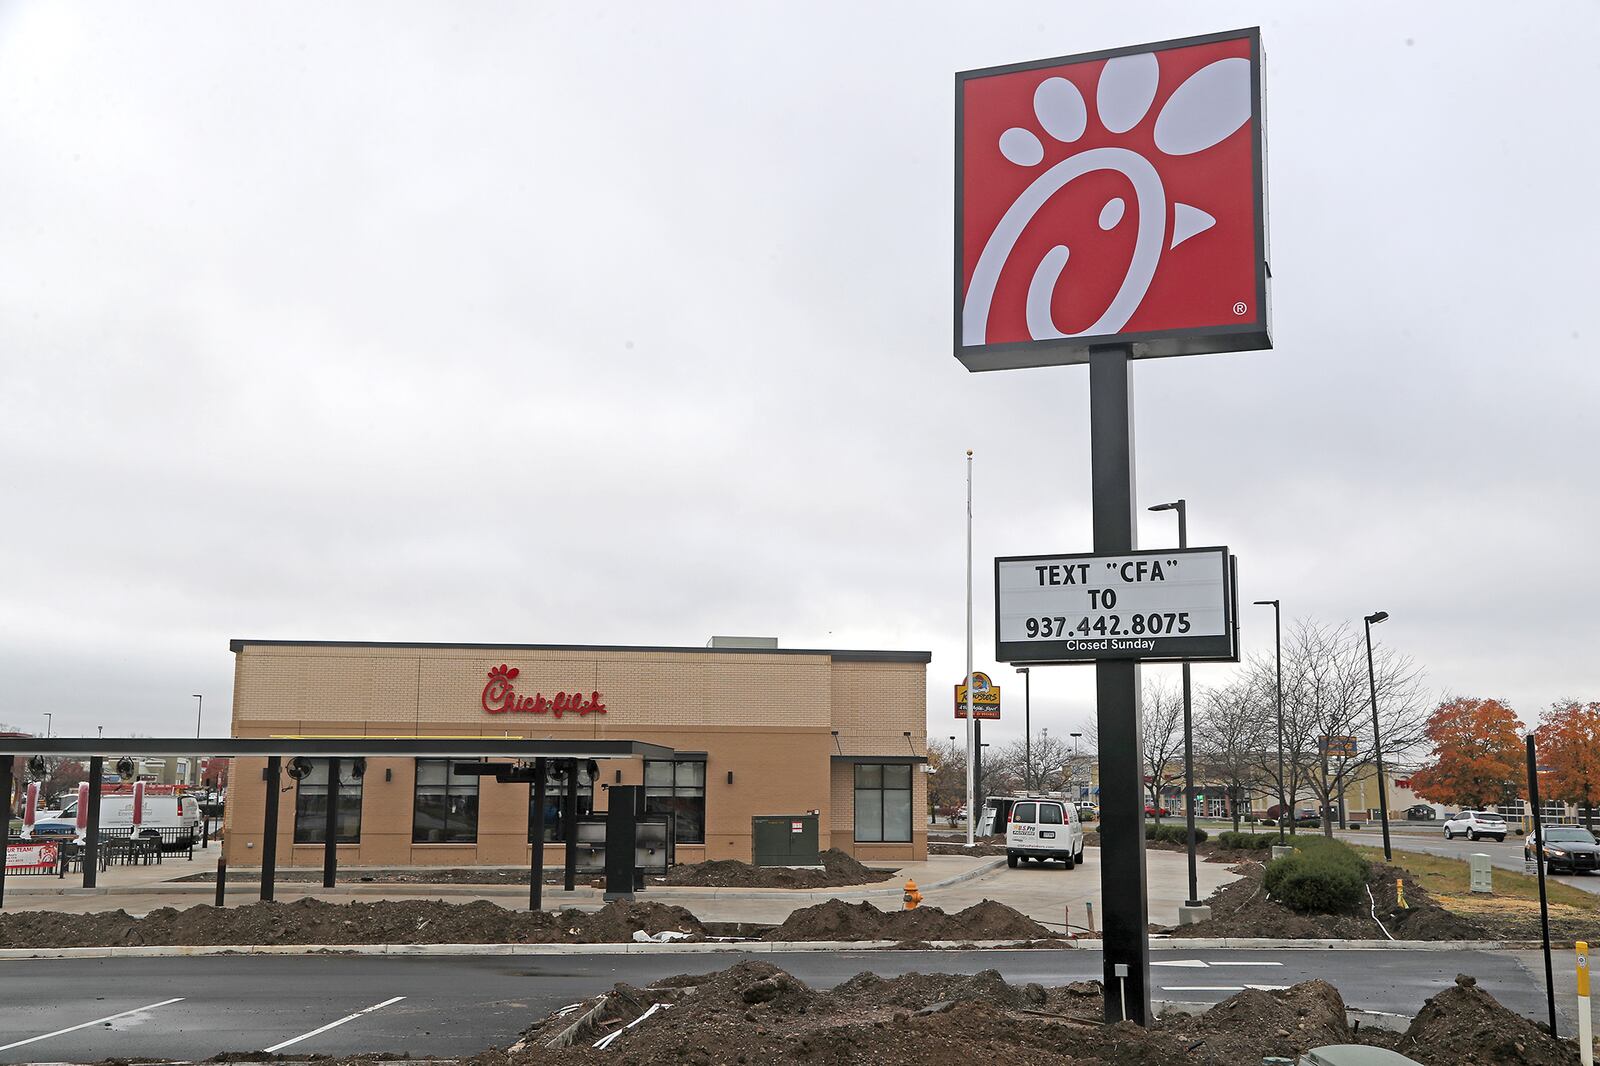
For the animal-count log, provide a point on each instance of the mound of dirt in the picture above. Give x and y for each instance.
(1253, 1024)
(1465, 1026)
(838, 920)
(1242, 909)
(756, 1013)
(838, 870)
(982, 847)
(314, 922)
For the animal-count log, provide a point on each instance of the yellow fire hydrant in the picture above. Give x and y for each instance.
(912, 896)
(1400, 893)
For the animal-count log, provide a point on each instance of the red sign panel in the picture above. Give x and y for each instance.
(1112, 198)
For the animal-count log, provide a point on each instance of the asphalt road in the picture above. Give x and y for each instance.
(1506, 855)
(83, 1010)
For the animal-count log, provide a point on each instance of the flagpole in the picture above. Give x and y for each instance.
(972, 810)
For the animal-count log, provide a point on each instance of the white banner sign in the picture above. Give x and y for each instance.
(1147, 605)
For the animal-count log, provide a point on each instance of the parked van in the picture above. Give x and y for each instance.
(167, 813)
(1041, 829)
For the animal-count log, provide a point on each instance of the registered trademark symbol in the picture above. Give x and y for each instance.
(1240, 308)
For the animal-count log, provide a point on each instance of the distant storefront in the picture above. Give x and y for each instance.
(757, 731)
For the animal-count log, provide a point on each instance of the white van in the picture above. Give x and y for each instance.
(165, 810)
(1041, 829)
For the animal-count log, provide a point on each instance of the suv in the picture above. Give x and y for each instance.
(1041, 829)
(1475, 824)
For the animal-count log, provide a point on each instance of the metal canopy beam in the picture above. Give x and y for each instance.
(469, 748)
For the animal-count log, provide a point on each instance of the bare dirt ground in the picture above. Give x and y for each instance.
(443, 875)
(756, 1013)
(315, 923)
(1242, 909)
(838, 870)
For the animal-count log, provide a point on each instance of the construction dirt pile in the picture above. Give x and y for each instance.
(313, 922)
(1242, 909)
(755, 1013)
(1465, 1026)
(838, 869)
(838, 920)
(985, 847)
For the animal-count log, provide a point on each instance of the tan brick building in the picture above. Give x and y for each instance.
(757, 731)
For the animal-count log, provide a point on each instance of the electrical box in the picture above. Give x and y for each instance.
(1482, 879)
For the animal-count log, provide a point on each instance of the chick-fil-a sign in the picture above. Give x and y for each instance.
(500, 697)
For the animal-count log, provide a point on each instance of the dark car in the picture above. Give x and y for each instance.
(1567, 847)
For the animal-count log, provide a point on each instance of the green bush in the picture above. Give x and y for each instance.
(1246, 841)
(1322, 875)
(1173, 833)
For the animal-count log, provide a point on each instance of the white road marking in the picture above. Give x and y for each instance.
(1202, 988)
(325, 1028)
(1247, 964)
(85, 1025)
(1190, 963)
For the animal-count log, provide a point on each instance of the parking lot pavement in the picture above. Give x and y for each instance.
(83, 1010)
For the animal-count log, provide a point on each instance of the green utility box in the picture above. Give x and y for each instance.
(784, 840)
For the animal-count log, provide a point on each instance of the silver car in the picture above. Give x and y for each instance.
(1475, 824)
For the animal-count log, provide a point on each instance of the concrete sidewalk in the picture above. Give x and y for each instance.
(1049, 894)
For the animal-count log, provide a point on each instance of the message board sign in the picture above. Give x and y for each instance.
(1113, 197)
(985, 697)
(1147, 605)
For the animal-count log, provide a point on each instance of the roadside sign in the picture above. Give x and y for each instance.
(985, 697)
(1337, 747)
(30, 858)
(1152, 606)
(1114, 197)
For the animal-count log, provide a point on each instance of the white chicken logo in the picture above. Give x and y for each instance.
(1209, 106)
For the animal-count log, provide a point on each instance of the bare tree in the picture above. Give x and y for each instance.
(1326, 693)
(1044, 771)
(1161, 722)
(1230, 733)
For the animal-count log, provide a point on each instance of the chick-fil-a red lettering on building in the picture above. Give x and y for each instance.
(500, 697)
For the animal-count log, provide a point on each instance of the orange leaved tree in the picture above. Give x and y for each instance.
(1569, 744)
(1477, 754)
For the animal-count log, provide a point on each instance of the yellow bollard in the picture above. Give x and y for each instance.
(912, 896)
(1585, 1026)
(1400, 893)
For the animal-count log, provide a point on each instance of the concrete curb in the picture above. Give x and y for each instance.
(677, 895)
(759, 947)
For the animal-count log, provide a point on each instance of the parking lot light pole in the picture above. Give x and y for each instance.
(1182, 507)
(1377, 738)
(1277, 629)
(199, 708)
(1027, 730)
(1075, 788)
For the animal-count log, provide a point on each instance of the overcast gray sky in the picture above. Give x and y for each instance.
(629, 323)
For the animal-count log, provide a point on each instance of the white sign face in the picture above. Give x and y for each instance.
(1148, 605)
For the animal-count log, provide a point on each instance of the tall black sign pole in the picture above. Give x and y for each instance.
(1122, 875)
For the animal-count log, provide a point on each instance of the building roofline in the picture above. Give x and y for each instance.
(837, 654)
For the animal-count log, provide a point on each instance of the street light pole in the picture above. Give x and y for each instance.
(1182, 507)
(1075, 788)
(1377, 739)
(1277, 629)
(1027, 729)
(194, 767)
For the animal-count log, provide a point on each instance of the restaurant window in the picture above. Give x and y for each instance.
(678, 789)
(311, 805)
(883, 801)
(445, 806)
(555, 800)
